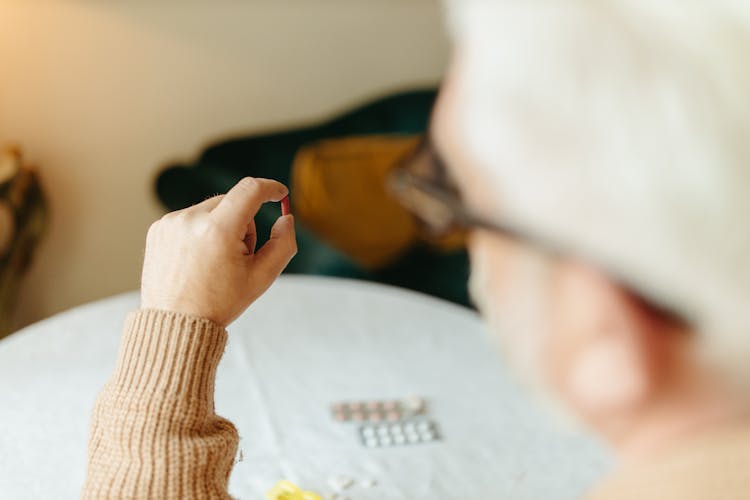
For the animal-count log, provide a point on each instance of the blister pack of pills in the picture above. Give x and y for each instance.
(399, 433)
(392, 410)
(391, 422)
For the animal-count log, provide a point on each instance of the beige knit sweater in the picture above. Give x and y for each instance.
(154, 433)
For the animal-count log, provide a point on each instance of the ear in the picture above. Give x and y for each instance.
(609, 353)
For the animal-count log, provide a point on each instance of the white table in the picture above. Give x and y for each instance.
(305, 344)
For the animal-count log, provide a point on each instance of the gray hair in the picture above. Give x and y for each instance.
(622, 128)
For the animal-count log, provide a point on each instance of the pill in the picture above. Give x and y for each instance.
(285, 207)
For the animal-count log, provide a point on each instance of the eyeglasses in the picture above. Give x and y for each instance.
(423, 185)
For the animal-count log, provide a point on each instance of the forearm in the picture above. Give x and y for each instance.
(154, 433)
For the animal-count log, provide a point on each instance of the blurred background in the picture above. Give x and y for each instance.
(127, 109)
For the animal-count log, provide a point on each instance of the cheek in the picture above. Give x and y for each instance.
(491, 264)
(568, 320)
(510, 286)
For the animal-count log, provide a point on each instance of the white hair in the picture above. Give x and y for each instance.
(622, 129)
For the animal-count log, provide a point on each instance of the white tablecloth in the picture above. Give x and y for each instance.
(305, 344)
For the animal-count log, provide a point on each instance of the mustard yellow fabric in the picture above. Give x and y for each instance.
(340, 193)
(339, 189)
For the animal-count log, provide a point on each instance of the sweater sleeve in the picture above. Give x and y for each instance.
(154, 432)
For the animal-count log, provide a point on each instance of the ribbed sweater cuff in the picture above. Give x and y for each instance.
(167, 354)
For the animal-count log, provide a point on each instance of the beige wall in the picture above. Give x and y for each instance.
(101, 94)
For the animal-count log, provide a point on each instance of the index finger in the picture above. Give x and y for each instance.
(243, 201)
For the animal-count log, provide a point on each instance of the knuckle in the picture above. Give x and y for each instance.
(216, 198)
(249, 184)
(170, 217)
(153, 228)
(207, 228)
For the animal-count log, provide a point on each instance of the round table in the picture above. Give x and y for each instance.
(307, 343)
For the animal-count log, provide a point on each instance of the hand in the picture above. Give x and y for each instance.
(202, 260)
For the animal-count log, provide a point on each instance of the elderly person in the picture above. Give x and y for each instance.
(599, 156)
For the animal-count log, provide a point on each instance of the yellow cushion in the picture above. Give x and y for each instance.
(339, 191)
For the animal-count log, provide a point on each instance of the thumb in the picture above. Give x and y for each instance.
(274, 256)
